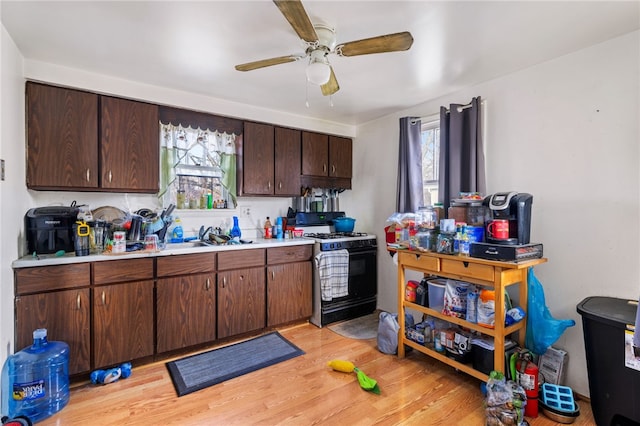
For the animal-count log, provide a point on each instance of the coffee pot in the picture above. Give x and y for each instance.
(516, 209)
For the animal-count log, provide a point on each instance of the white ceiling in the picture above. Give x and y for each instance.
(194, 46)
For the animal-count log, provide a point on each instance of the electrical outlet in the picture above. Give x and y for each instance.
(246, 211)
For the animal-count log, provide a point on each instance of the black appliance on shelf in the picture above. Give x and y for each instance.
(50, 229)
(516, 208)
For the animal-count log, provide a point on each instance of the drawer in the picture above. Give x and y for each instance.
(289, 254)
(35, 280)
(237, 259)
(115, 271)
(419, 261)
(468, 269)
(185, 264)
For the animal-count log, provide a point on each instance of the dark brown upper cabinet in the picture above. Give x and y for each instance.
(86, 142)
(271, 160)
(62, 138)
(130, 145)
(326, 161)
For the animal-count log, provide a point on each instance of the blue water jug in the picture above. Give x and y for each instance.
(35, 380)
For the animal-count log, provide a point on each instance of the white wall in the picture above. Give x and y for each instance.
(566, 131)
(13, 197)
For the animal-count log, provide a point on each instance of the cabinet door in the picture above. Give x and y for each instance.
(287, 162)
(130, 145)
(340, 157)
(289, 292)
(258, 157)
(65, 315)
(315, 154)
(186, 311)
(62, 138)
(122, 322)
(241, 301)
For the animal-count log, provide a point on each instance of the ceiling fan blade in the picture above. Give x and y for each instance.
(267, 62)
(381, 44)
(294, 12)
(331, 86)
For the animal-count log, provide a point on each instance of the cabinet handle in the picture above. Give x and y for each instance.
(324, 167)
(241, 277)
(333, 169)
(104, 298)
(110, 176)
(224, 282)
(78, 301)
(279, 185)
(269, 185)
(273, 275)
(88, 175)
(208, 284)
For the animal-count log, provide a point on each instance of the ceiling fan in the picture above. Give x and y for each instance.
(320, 41)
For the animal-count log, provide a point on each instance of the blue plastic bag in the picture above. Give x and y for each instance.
(542, 329)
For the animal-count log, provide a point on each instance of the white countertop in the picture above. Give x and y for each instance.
(170, 250)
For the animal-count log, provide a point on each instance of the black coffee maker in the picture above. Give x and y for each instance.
(516, 208)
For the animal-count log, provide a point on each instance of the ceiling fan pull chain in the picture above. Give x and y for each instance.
(331, 101)
(306, 94)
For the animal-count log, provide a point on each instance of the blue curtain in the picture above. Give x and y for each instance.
(409, 194)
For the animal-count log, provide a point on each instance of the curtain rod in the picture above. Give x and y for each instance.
(461, 107)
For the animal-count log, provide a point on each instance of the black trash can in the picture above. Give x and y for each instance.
(614, 388)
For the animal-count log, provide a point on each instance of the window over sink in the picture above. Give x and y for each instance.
(198, 167)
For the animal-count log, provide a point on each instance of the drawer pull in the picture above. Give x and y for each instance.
(88, 175)
(110, 176)
(208, 284)
(466, 264)
(273, 275)
(224, 282)
(104, 298)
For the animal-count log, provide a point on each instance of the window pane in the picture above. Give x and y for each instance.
(430, 161)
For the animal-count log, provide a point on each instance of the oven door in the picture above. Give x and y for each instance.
(363, 273)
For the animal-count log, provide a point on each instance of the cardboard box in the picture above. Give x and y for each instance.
(553, 365)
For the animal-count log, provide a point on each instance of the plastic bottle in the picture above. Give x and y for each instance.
(279, 233)
(35, 380)
(235, 230)
(268, 228)
(177, 234)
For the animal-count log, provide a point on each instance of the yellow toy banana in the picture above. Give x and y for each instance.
(366, 383)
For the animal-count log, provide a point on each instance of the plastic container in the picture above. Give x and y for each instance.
(614, 388)
(35, 380)
(436, 293)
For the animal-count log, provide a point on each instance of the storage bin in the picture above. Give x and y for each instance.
(483, 357)
(436, 293)
(614, 388)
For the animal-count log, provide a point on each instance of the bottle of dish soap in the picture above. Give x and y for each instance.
(235, 230)
(35, 380)
(177, 234)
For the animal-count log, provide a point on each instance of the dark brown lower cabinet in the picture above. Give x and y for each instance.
(185, 311)
(65, 315)
(122, 322)
(241, 301)
(56, 298)
(289, 293)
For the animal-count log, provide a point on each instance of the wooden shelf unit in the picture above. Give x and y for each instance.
(490, 274)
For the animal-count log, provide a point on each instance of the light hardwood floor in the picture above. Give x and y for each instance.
(300, 391)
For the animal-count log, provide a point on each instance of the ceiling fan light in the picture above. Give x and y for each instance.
(318, 72)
